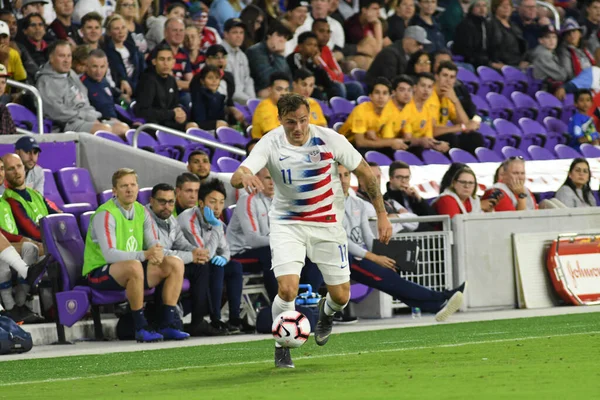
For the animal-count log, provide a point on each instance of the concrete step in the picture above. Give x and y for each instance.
(43, 334)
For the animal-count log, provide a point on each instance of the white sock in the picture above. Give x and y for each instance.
(12, 258)
(331, 307)
(279, 306)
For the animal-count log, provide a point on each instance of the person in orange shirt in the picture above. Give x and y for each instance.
(366, 124)
(265, 116)
(304, 84)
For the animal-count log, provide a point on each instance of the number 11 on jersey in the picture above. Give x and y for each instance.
(286, 174)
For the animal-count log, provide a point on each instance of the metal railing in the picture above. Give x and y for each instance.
(38, 99)
(553, 10)
(184, 135)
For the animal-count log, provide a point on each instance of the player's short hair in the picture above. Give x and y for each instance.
(161, 47)
(96, 53)
(398, 165)
(120, 173)
(161, 187)
(91, 16)
(81, 53)
(367, 3)
(581, 92)
(55, 44)
(449, 65)
(291, 102)
(424, 75)
(249, 144)
(402, 79)
(176, 4)
(207, 69)
(381, 81)
(213, 185)
(302, 74)
(373, 164)
(278, 76)
(304, 36)
(185, 178)
(27, 20)
(197, 153)
(279, 29)
(324, 21)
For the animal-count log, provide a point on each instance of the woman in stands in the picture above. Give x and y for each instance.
(418, 63)
(130, 11)
(576, 191)
(256, 27)
(574, 57)
(506, 44)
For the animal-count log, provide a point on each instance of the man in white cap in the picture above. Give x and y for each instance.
(29, 150)
(9, 57)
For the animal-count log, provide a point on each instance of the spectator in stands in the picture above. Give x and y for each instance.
(248, 236)
(307, 57)
(402, 91)
(186, 192)
(401, 194)
(581, 125)
(200, 18)
(446, 181)
(461, 90)
(126, 62)
(237, 63)
(33, 28)
(191, 43)
(65, 97)
(208, 105)
(156, 25)
(28, 63)
(461, 196)
(421, 118)
(115, 259)
(511, 180)
(364, 31)
(199, 165)
(526, 20)
(103, 7)
(591, 22)
(471, 37)
(63, 27)
(576, 191)
(81, 54)
(101, 95)
(506, 43)
(392, 60)
(29, 7)
(91, 29)
(10, 57)
(266, 58)
(182, 69)
(404, 11)
(265, 116)
(197, 270)
(250, 145)
(271, 10)
(574, 57)
(202, 227)
(28, 149)
(380, 272)
(223, 10)
(28, 205)
(446, 107)
(369, 126)
(418, 63)
(254, 24)
(130, 11)
(545, 60)
(157, 93)
(319, 10)
(7, 125)
(294, 18)
(328, 62)
(427, 21)
(304, 83)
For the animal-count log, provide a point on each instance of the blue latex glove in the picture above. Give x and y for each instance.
(219, 261)
(209, 216)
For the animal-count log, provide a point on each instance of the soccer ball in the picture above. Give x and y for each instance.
(291, 329)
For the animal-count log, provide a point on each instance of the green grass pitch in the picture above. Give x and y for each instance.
(534, 358)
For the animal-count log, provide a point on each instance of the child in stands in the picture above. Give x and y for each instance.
(581, 126)
(208, 105)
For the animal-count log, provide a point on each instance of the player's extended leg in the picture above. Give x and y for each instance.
(171, 271)
(336, 300)
(284, 301)
(9, 255)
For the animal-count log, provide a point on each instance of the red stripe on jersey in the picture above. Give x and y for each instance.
(314, 212)
(326, 156)
(194, 232)
(106, 230)
(323, 218)
(314, 200)
(249, 211)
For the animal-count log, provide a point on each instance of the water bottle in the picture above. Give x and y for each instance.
(258, 307)
(416, 313)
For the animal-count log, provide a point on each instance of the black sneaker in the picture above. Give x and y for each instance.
(221, 326)
(14, 314)
(324, 325)
(28, 316)
(283, 358)
(203, 329)
(344, 318)
(36, 270)
(241, 325)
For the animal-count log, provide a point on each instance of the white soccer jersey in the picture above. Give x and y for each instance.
(307, 185)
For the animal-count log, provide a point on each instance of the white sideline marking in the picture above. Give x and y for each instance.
(75, 378)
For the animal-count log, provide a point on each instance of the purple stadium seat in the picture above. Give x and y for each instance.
(25, 119)
(525, 106)
(379, 158)
(470, 80)
(326, 108)
(75, 185)
(507, 134)
(358, 292)
(51, 190)
(540, 153)
(252, 104)
(363, 99)
(566, 152)
(84, 222)
(500, 106)
(589, 150)
(487, 155)
(180, 144)
(244, 110)
(110, 136)
(489, 134)
(461, 156)
(568, 106)
(434, 157)
(104, 196)
(128, 116)
(228, 213)
(407, 157)
(147, 142)
(491, 80)
(549, 105)
(341, 108)
(483, 108)
(533, 133)
(515, 80)
(535, 85)
(231, 136)
(509, 151)
(555, 125)
(337, 126)
(359, 74)
(144, 195)
(63, 241)
(228, 164)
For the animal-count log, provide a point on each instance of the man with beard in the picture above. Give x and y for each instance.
(199, 164)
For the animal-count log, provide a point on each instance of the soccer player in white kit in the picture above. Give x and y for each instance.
(308, 208)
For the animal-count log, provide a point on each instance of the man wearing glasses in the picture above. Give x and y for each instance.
(510, 189)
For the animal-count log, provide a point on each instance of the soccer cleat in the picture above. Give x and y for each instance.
(146, 336)
(283, 358)
(324, 325)
(450, 307)
(36, 270)
(170, 333)
(343, 318)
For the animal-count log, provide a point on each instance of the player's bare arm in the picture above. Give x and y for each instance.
(243, 178)
(384, 227)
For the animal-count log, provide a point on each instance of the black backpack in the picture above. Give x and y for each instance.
(13, 339)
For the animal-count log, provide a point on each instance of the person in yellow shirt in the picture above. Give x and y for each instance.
(9, 57)
(265, 116)
(420, 117)
(304, 84)
(402, 91)
(446, 107)
(365, 126)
